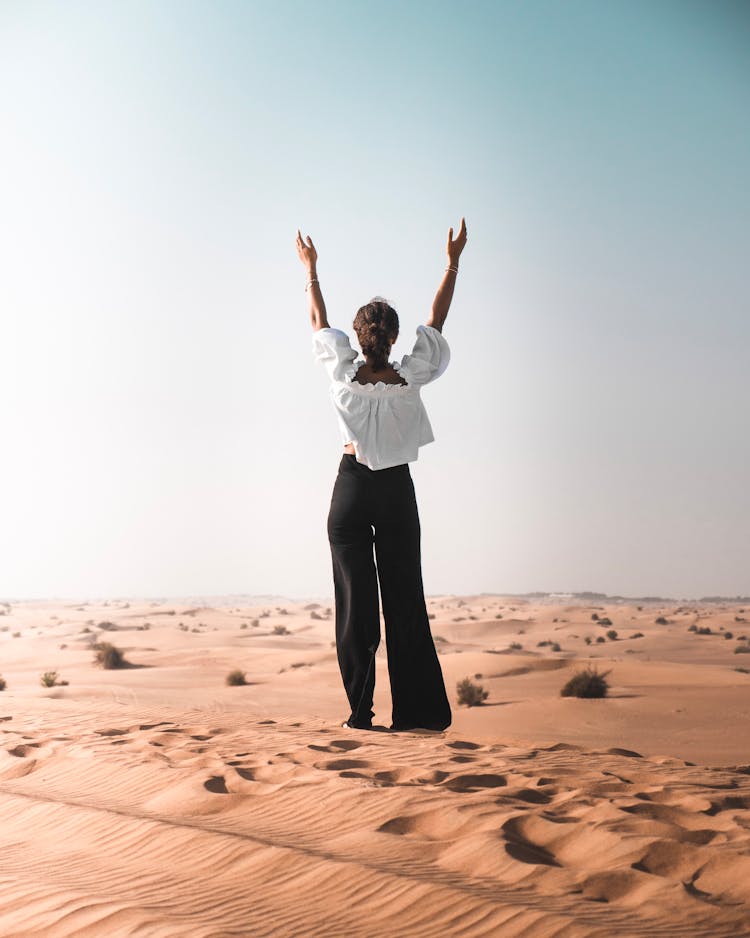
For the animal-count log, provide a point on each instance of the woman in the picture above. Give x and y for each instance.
(383, 423)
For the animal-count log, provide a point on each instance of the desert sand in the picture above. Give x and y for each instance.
(156, 800)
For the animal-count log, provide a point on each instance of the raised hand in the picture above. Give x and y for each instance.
(455, 246)
(306, 250)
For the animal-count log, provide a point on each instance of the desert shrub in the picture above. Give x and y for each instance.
(236, 678)
(470, 693)
(3, 684)
(587, 639)
(612, 635)
(430, 615)
(605, 620)
(743, 670)
(49, 679)
(280, 630)
(637, 635)
(728, 635)
(315, 615)
(108, 626)
(660, 620)
(439, 638)
(85, 629)
(704, 630)
(255, 623)
(16, 635)
(499, 615)
(543, 643)
(594, 616)
(742, 650)
(244, 625)
(586, 683)
(516, 646)
(600, 639)
(109, 656)
(554, 646)
(693, 628)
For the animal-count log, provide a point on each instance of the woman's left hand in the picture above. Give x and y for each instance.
(307, 253)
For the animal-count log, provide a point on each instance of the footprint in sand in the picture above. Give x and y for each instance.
(475, 782)
(520, 844)
(338, 765)
(337, 745)
(24, 750)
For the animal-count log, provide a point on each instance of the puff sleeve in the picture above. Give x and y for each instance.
(429, 357)
(332, 349)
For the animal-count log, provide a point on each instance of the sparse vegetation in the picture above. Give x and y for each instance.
(3, 684)
(693, 628)
(742, 650)
(471, 694)
(605, 621)
(705, 630)
(236, 678)
(244, 625)
(587, 639)
(108, 626)
(600, 639)
(280, 630)
(660, 620)
(728, 635)
(555, 646)
(516, 646)
(51, 679)
(637, 635)
(594, 616)
(612, 635)
(109, 656)
(588, 683)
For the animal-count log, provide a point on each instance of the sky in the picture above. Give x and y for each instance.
(165, 429)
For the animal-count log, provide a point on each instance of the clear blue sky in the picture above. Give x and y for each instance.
(164, 427)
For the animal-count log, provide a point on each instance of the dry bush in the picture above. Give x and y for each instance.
(280, 630)
(51, 679)
(236, 678)
(471, 694)
(586, 683)
(109, 656)
(3, 683)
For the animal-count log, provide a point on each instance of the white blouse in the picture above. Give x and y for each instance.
(387, 423)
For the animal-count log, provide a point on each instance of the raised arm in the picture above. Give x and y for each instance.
(309, 257)
(442, 302)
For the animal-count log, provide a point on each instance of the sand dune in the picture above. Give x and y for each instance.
(158, 801)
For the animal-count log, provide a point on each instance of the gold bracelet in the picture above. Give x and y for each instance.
(454, 269)
(310, 283)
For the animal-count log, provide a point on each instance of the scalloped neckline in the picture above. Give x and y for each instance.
(375, 385)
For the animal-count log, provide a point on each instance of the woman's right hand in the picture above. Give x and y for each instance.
(456, 246)
(307, 253)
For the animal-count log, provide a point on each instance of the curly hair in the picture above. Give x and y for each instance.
(376, 325)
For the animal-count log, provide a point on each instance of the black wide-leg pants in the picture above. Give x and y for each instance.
(379, 507)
